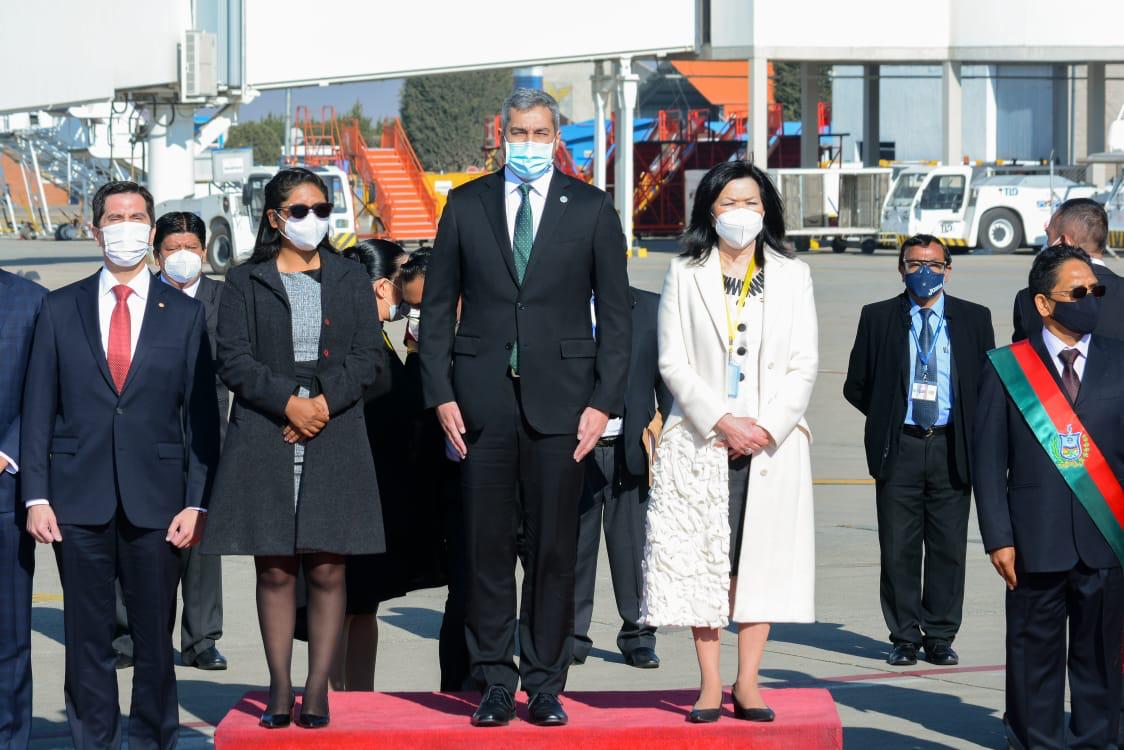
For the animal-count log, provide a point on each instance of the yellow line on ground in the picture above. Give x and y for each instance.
(843, 482)
(44, 598)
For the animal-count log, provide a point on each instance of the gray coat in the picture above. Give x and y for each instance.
(251, 509)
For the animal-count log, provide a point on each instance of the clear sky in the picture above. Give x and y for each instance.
(379, 99)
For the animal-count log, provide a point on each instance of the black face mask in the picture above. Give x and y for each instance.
(1079, 316)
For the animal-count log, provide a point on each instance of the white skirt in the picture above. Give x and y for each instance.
(686, 563)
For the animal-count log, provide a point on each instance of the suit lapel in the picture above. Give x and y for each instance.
(1040, 347)
(708, 278)
(267, 274)
(1094, 370)
(899, 342)
(87, 300)
(495, 208)
(154, 310)
(5, 283)
(556, 202)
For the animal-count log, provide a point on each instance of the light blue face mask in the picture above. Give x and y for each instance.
(528, 160)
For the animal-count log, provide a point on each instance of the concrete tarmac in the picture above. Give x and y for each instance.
(880, 706)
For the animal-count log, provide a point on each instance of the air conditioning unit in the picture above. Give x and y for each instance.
(198, 62)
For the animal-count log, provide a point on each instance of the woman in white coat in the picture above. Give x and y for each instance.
(730, 532)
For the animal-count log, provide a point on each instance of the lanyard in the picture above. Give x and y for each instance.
(747, 282)
(386, 340)
(925, 356)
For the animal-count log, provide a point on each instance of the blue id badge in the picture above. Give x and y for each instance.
(733, 378)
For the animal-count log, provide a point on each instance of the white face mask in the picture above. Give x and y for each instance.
(413, 323)
(306, 233)
(126, 242)
(183, 266)
(739, 226)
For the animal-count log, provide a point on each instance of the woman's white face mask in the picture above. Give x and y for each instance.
(739, 226)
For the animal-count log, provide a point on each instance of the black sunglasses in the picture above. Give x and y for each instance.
(1079, 292)
(299, 210)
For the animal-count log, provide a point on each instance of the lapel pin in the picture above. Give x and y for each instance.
(159, 304)
(563, 199)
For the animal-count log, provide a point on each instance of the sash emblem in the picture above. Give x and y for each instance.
(1070, 449)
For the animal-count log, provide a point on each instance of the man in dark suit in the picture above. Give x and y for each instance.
(1058, 551)
(119, 437)
(19, 305)
(1083, 223)
(524, 391)
(179, 248)
(913, 372)
(616, 490)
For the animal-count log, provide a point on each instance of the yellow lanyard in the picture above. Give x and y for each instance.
(386, 340)
(747, 282)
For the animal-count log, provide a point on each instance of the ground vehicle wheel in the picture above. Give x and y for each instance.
(838, 245)
(1001, 231)
(801, 244)
(220, 249)
(868, 245)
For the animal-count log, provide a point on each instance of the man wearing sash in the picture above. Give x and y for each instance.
(1048, 458)
(914, 372)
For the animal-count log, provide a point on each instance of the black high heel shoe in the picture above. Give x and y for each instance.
(313, 721)
(704, 715)
(279, 721)
(751, 714)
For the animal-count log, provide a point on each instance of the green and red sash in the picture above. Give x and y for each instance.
(1051, 418)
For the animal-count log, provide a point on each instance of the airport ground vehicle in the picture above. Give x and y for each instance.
(990, 207)
(233, 206)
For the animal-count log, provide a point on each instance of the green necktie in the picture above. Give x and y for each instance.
(521, 246)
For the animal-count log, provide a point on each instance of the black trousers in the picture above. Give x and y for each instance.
(922, 515)
(201, 618)
(612, 496)
(91, 559)
(1091, 601)
(513, 474)
(17, 564)
(452, 650)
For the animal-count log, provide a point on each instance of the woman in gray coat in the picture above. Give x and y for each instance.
(298, 342)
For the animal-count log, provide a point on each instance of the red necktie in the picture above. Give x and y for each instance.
(119, 354)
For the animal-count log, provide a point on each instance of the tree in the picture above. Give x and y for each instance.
(370, 130)
(445, 116)
(265, 136)
(786, 86)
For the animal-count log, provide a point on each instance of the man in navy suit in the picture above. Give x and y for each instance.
(1043, 405)
(19, 305)
(119, 438)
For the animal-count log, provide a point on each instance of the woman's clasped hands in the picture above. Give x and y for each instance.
(307, 417)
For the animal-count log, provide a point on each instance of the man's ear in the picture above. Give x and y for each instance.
(1041, 304)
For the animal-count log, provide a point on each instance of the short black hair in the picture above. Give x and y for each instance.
(1084, 220)
(700, 236)
(179, 222)
(923, 240)
(277, 190)
(415, 265)
(1044, 271)
(117, 187)
(381, 258)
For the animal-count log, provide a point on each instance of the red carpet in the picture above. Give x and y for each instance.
(655, 720)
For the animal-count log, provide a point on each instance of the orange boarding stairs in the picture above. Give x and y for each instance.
(407, 209)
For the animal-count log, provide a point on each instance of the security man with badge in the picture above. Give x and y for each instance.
(1049, 455)
(913, 372)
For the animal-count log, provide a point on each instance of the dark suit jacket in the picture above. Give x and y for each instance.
(1021, 498)
(645, 388)
(153, 448)
(1111, 323)
(579, 250)
(252, 503)
(878, 372)
(19, 305)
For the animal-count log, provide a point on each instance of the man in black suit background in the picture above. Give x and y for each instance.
(616, 491)
(179, 244)
(914, 371)
(523, 392)
(20, 300)
(119, 437)
(1083, 223)
(1057, 563)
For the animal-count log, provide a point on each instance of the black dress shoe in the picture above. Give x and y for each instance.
(642, 658)
(704, 715)
(278, 721)
(496, 710)
(210, 659)
(545, 710)
(124, 661)
(751, 714)
(577, 660)
(941, 654)
(902, 655)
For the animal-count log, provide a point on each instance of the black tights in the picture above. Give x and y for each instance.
(277, 613)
